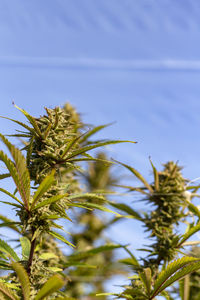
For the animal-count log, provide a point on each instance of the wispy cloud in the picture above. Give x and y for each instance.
(93, 63)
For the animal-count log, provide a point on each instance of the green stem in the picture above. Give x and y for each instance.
(30, 260)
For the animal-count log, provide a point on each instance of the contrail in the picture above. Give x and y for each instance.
(93, 63)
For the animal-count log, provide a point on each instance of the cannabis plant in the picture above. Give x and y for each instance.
(169, 197)
(53, 145)
(98, 179)
(47, 189)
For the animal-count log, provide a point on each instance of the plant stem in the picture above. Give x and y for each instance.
(30, 260)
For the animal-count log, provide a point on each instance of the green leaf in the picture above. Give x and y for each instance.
(166, 295)
(11, 204)
(36, 234)
(132, 189)
(43, 188)
(2, 176)
(18, 170)
(127, 209)
(26, 247)
(93, 206)
(61, 238)
(66, 298)
(4, 265)
(179, 275)
(70, 144)
(50, 201)
(106, 294)
(51, 286)
(9, 223)
(138, 175)
(79, 264)
(146, 278)
(32, 121)
(10, 285)
(156, 177)
(129, 261)
(188, 234)
(170, 270)
(85, 254)
(54, 269)
(48, 255)
(93, 131)
(21, 124)
(46, 133)
(7, 292)
(192, 208)
(8, 250)
(29, 150)
(87, 196)
(23, 278)
(11, 195)
(87, 148)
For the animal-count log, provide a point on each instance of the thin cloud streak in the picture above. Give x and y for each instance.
(90, 63)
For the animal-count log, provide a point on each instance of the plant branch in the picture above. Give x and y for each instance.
(30, 260)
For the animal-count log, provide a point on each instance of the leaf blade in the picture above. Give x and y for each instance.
(52, 285)
(23, 278)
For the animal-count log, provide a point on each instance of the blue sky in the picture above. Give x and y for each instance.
(133, 62)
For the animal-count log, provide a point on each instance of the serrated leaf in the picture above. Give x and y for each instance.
(20, 123)
(188, 234)
(51, 286)
(50, 217)
(132, 189)
(192, 208)
(129, 261)
(92, 196)
(18, 170)
(36, 234)
(2, 176)
(26, 247)
(10, 285)
(106, 294)
(43, 188)
(79, 264)
(46, 133)
(23, 278)
(55, 269)
(166, 295)
(84, 254)
(93, 131)
(179, 275)
(31, 120)
(11, 195)
(145, 277)
(50, 201)
(93, 206)
(5, 266)
(6, 291)
(88, 148)
(127, 209)
(48, 255)
(66, 298)
(61, 238)
(29, 150)
(138, 175)
(170, 270)
(70, 144)
(8, 250)
(9, 223)
(11, 204)
(156, 177)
